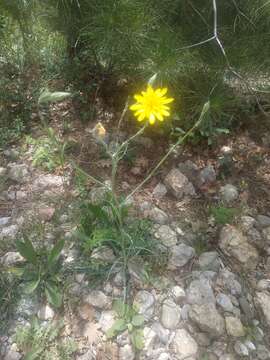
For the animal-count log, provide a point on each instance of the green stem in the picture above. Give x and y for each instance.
(179, 141)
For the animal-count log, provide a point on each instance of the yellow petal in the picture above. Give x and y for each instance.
(165, 113)
(167, 101)
(159, 116)
(161, 92)
(135, 107)
(152, 118)
(141, 117)
(138, 97)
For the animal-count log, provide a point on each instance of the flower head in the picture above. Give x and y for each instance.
(151, 105)
(99, 132)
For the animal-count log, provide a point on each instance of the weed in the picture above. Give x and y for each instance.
(128, 319)
(42, 342)
(223, 215)
(41, 270)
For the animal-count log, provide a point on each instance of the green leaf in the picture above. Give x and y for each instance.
(17, 271)
(55, 252)
(138, 320)
(31, 286)
(120, 308)
(33, 354)
(137, 339)
(49, 97)
(118, 327)
(27, 250)
(53, 294)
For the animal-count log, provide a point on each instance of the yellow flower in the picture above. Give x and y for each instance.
(151, 105)
(99, 132)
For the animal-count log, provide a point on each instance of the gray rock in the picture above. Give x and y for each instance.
(9, 232)
(227, 357)
(191, 171)
(46, 312)
(170, 314)
(48, 181)
(266, 234)
(184, 345)
(209, 261)
(106, 320)
(89, 355)
(263, 301)
(11, 258)
(263, 221)
(162, 334)
(180, 256)
(159, 191)
(158, 216)
(247, 308)
(207, 175)
(255, 238)
(27, 306)
(103, 253)
(3, 172)
(178, 184)
(4, 220)
(229, 193)
(234, 327)
(208, 319)
(12, 154)
(178, 293)
(263, 284)
(224, 302)
(235, 244)
(13, 355)
(18, 173)
(126, 353)
(97, 299)
(241, 349)
(229, 281)
(166, 235)
(200, 292)
(263, 353)
(145, 302)
(247, 223)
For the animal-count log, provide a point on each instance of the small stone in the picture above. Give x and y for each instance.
(4, 220)
(158, 216)
(184, 345)
(86, 312)
(247, 223)
(126, 353)
(79, 278)
(162, 333)
(263, 221)
(3, 172)
(207, 318)
(209, 261)
(263, 301)
(18, 173)
(249, 344)
(11, 258)
(166, 235)
(228, 280)
(263, 284)
(235, 244)
(103, 253)
(45, 312)
(46, 213)
(178, 184)
(207, 175)
(48, 181)
(170, 314)
(159, 191)
(13, 355)
(266, 234)
(89, 355)
(191, 171)
(97, 299)
(145, 302)
(241, 349)
(200, 292)
(234, 327)
(229, 193)
(107, 319)
(263, 353)
(180, 256)
(178, 293)
(224, 302)
(9, 232)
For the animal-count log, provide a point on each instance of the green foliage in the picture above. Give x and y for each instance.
(9, 295)
(43, 342)
(223, 215)
(41, 271)
(128, 319)
(49, 151)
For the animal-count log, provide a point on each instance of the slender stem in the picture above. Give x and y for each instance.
(122, 115)
(179, 141)
(139, 132)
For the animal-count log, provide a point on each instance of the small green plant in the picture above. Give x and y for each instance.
(223, 215)
(41, 270)
(128, 319)
(43, 342)
(49, 151)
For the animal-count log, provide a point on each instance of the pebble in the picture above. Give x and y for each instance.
(241, 349)
(184, 345)
(224, 302)
(45, 312)
(180, 256)
(229, 193)
(178, 184)
(145, 302)
(170, 314)
(234, 327)
(97, 299)
(166, 235)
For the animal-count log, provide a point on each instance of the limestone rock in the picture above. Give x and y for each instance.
(234, 243)
(178, 184)
(234, 327)
(18, 173)
(11, 258)
(166, 235)
(229, 193)
(224, 302)
(159, 191)
(97, 299)
(263, 301)
(209, 261)
(200, 292)
(45, 312)
(184, 345)
(208, 319)
(126, 353)
(158, 216)
(170, 314)
(145, 302)
(180, 256)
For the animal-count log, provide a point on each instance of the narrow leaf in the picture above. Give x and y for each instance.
(49, 97)
(118, 327)
(53, 295)
(31, 286)
(27, 250)
(137, 320)
(55, 252)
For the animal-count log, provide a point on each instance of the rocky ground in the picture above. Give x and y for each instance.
(212, 301)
